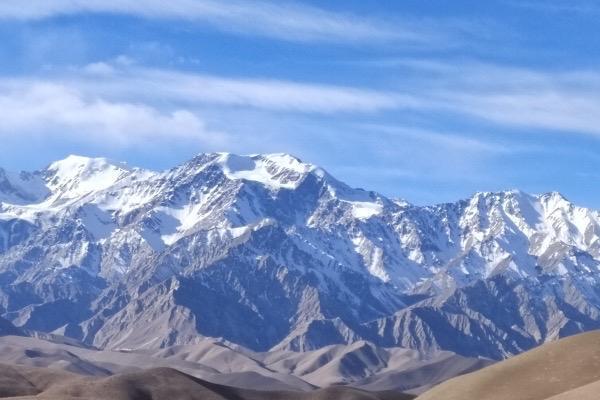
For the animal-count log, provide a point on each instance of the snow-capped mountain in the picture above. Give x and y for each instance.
(272, 253)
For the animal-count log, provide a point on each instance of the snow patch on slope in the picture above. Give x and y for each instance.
(372, 257)
(365, 210)
(175, 222)
(277, 171)
(21, 188)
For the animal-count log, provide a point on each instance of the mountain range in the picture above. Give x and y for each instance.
(275, 254)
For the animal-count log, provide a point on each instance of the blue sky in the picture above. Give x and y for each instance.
(416, 99)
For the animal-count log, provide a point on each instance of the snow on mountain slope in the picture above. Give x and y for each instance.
(21, 188)
(94, 249)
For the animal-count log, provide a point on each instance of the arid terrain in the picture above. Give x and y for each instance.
(152, 384)
(568, 369)
(46, 365)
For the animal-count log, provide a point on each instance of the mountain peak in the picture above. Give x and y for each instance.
(556, 196)
(74, 161)
(76, 175)
(284, 159)
(277, 170)
(516, 193)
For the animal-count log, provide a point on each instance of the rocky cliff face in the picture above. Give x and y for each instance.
(269, 252)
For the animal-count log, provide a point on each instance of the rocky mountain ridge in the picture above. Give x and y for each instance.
(272, 253)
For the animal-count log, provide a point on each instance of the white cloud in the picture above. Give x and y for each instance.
(129, 103)
(123, 104)
(542, 100)
(33, 107)
(446, 141)
(537, 99)
(543, 109)
(198, 89)
(99, 68)
(283, 20)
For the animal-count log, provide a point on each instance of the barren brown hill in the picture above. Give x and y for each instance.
(361, 365)
(18, 382)
(568, 369)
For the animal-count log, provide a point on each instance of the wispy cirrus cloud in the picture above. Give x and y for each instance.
(126, 80)
(280, 20)
(441, 139)
(539, 108)
(125, 104)
(541, 100)
(559, 100)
